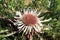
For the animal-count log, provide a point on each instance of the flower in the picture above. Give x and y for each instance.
(29, 22)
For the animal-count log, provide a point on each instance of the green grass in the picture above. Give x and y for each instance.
(58, 6)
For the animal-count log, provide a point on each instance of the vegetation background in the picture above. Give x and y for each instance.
(9, 7)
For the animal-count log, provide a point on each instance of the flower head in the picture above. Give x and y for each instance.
(29, 22)
(29, 19)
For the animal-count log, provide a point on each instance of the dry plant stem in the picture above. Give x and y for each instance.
(29, 37)
(16, 38)
(8, 34)
(41, 38)
(2, 31)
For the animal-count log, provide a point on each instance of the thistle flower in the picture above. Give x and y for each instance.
(29, 22)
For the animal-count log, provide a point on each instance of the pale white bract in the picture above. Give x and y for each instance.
(27, 29)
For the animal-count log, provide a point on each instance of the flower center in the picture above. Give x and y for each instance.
(29, 19)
